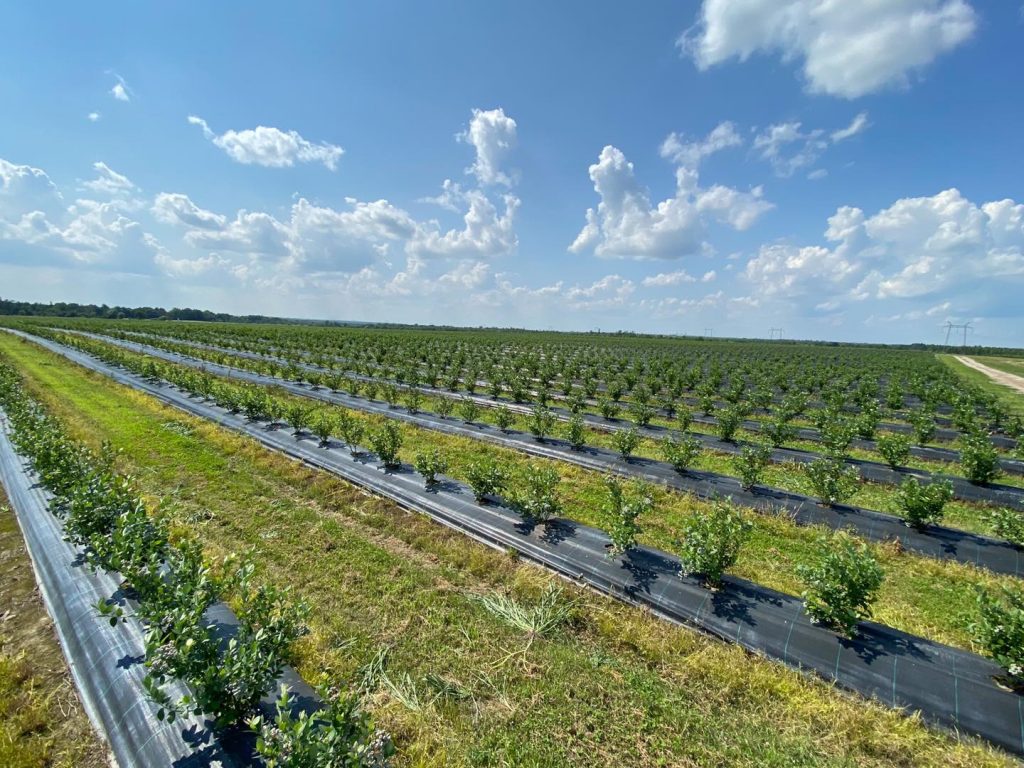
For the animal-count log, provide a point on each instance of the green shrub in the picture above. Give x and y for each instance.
(832, 481)
(608, 408)
(323, 425)
(576, 432)
(351, 430)
(298, 416)
(978, 457)
(922, 505)
(680, 452)
(894, 448)
(729, 420)
(642, 413)
(430, 463)
(623, 507)
(843, 584)
(386, 442)
(540, 422)
(413, 399)
(837, 434)
(625, 441)
(712, 541)
(750, 464)
(504, 418)
(684, 417)
(443, 407)
(999, 629)
(1008, 524)
(469, 410)
(923, 422)
(486, 478)
(779, 431)
(536, 498)
(338, 735)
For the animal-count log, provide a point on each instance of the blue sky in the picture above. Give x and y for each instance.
(840, 170)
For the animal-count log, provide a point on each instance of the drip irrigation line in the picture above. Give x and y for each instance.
(950, 687)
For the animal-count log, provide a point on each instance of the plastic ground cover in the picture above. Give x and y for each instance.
(1005, 495)
(107, 662)
(925, 452)
(933, 541)
(948, 686)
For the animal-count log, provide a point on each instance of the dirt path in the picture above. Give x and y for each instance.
(1000, 377)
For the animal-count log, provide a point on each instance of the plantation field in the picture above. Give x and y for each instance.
(456, 683)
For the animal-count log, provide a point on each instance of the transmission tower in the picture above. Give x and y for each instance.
(965, 327)
(773, 331)
(709, 332)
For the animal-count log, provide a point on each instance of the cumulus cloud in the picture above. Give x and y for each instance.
(93, 117)
(270, 147)
(846, 49)
(626, 224)
(493, 135)
(916, 248)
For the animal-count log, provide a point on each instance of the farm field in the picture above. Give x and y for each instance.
(376, 565)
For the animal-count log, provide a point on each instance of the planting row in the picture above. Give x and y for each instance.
(177, 597)
(591, 364)
(978, 459)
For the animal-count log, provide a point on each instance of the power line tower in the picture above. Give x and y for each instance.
(773, 331)
(965, 327)
(709, 332)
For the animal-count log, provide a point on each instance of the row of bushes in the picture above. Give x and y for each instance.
(173, 587)
(839, 589)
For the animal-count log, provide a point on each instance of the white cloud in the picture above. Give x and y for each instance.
(859, 124)
(681, 152)
(789, 148)
(109, 181)
(493, 135)
(93, 117)
(625, 224)
(37, 227)
(121, 91)
(817, 174)
(918, 247)
(709, 276)
(270, 147)
(846, 49)
(665, 279)
(173, 208)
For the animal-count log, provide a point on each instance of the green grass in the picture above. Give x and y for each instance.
(613, 686)
(1013, 400)
(1014, 365)
(42, 722)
